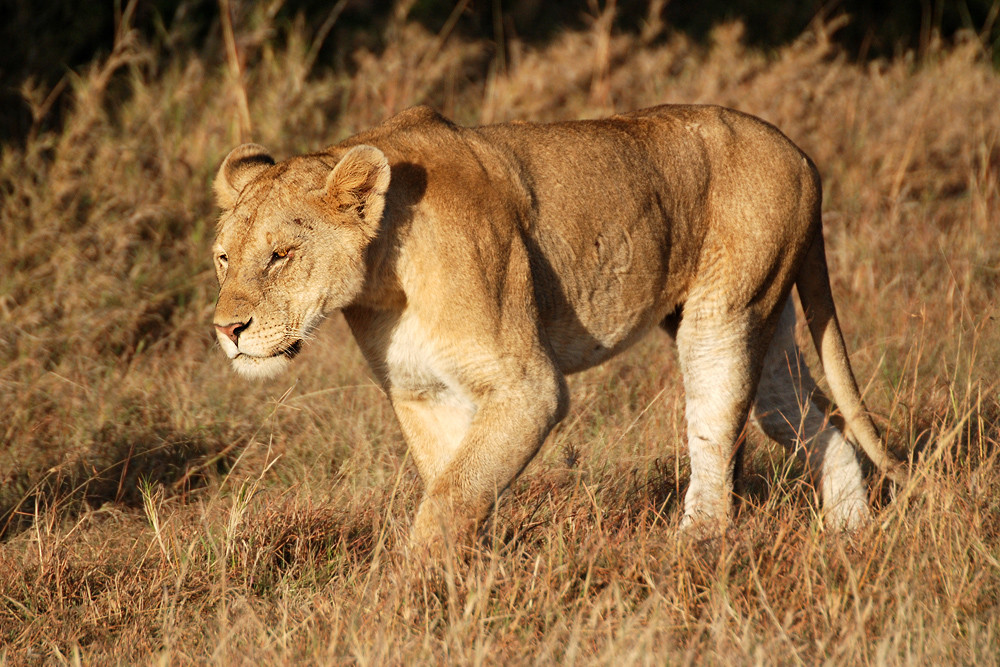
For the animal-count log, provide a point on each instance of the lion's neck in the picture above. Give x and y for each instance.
(382, 289)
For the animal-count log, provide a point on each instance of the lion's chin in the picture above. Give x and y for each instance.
(263, 368)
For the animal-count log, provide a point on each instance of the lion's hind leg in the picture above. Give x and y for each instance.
(719, 369)
(786, 411)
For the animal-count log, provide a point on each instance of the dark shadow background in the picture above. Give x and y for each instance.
(43, 42)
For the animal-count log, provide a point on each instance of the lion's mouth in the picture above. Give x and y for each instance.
(292, 350)
(288, 352)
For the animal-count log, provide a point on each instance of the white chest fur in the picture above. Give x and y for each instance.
(434, 409)
(419, 367)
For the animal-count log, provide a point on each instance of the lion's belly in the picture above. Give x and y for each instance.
(596, 301)
(578, 345)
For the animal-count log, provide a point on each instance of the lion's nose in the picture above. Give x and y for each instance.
(232, 331)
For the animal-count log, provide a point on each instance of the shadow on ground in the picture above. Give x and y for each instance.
(114, 470)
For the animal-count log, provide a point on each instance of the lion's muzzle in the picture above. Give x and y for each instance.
(232, 331)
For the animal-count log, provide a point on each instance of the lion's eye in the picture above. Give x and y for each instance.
(223, 259)
(279, 255)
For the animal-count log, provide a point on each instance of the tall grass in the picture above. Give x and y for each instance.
(154, 508)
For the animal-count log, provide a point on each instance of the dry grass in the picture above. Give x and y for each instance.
(154, 508)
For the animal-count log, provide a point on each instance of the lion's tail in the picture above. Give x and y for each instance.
(813, 283)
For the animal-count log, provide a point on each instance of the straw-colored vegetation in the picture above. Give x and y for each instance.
(156, 508)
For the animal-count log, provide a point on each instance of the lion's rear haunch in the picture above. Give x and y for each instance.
(478, 266)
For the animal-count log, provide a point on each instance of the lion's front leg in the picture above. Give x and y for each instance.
(434, 425)
(463, 479)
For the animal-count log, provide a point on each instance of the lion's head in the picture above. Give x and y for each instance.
(290, 247)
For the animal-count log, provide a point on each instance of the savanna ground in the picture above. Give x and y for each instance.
(154, 508)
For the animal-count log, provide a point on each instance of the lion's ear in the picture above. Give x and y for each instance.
(360, 181)
(242, 165)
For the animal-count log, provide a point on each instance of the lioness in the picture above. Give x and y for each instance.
(478, 266)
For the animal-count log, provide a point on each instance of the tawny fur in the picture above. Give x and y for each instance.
(477, 266)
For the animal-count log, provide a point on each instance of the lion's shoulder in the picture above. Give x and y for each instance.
(418, 116)
(403, 127)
